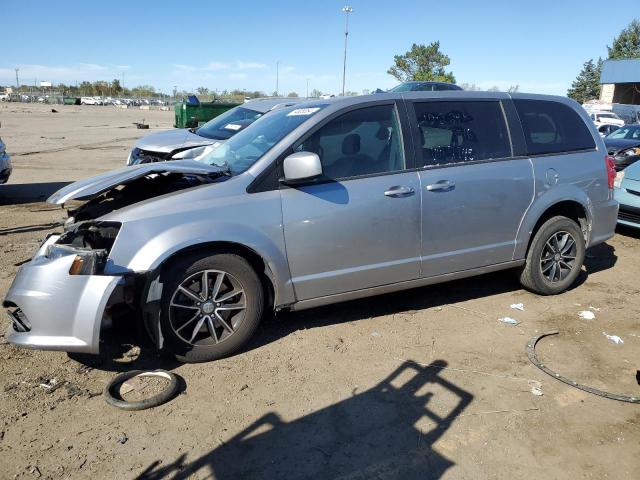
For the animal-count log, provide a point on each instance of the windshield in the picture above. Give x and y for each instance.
(229, 123)
(630, 132)
(403, 87)
(245, 148)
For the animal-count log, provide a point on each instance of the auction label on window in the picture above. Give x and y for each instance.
(302, 111)
(233, 126)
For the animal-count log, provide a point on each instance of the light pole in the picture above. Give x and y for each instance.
(17, 79)
(307, 88)
(277, 75)
(347, 10)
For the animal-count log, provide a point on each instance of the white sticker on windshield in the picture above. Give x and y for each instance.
(233, 126)
(303, 111)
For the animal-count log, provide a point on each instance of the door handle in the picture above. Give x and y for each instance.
(442, 185)
(399, 191)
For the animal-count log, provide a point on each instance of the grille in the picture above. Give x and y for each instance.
(629, 215)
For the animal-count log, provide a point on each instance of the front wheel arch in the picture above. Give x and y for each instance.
(152, 290)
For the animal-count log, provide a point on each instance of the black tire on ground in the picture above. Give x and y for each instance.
(231, 264)
(531, 274)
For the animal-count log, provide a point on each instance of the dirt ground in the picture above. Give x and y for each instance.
(414, 385)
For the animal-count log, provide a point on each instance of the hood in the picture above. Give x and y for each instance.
(165, 142)
(94, 186)
(632, 172)
(616, 144)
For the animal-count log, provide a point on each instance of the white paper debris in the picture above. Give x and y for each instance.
(509, 320)
(613, 338)
(518, 306)
(536, 388)
(591, 307)
(375, 334)
(587, 315)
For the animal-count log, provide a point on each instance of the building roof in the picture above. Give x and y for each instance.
(620, 71)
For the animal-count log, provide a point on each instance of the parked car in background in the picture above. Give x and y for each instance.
(606, 129)
(318, 203)
(627, 193)
(193, 143)
(88, 101)
(624, 145)
(606, 118)
(416, 86)
(5, 163)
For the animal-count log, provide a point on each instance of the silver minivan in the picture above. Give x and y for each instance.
(318, 203)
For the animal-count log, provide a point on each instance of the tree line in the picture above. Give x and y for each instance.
(626, 45)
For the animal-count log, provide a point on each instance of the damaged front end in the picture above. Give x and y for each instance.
(71, 288)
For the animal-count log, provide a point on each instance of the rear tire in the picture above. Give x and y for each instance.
(203, 325)
(555, 257)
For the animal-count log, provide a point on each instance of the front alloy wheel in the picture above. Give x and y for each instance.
(211, 306)
(207, 307)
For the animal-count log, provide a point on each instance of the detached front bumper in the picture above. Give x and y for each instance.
(53, 310)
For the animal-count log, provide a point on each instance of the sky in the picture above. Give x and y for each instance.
(539, 45)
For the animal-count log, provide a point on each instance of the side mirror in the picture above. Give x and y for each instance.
(302, 166)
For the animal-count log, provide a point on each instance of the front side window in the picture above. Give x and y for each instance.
(552, 127)
(456, 132)
(361, 142)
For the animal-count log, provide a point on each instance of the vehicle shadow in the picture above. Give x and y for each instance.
(16, 193)
(599, 258)
(29, 228)
(387, 431)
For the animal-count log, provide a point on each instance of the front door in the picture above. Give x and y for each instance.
(359, 227)
(474, 193)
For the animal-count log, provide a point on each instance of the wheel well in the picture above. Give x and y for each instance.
(570, 209)
(254, 259)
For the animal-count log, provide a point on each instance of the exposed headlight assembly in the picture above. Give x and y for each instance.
(86, 262)
(630, 152)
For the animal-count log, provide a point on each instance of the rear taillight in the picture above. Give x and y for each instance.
(611, 170)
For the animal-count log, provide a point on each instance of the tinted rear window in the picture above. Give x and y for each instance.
(552, 127)
(455, 132)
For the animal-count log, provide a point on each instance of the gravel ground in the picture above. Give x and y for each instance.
(414, 385)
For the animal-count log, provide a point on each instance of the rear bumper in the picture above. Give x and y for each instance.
(604, 219)
(52, 310)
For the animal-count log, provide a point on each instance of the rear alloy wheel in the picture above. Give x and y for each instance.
(211, 307)
(555, 257)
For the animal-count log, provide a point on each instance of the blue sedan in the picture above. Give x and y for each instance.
(627, 192)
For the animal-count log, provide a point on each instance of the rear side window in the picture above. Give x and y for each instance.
(456, 132)
(552, 127)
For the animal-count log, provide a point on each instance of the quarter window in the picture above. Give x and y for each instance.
(456, 132)
(552, 127)
(361, 142)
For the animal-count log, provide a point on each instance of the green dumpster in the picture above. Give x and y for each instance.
(188, 115)
(70, 101)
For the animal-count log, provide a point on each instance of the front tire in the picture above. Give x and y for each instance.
(211, 306)
(555, 257)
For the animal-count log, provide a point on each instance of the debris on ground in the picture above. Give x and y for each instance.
(613, 338)
(509, 321)
(587, 315)
(591, 307)
(536, 388)
(518, 306)
(122, 438)
(375, 334)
